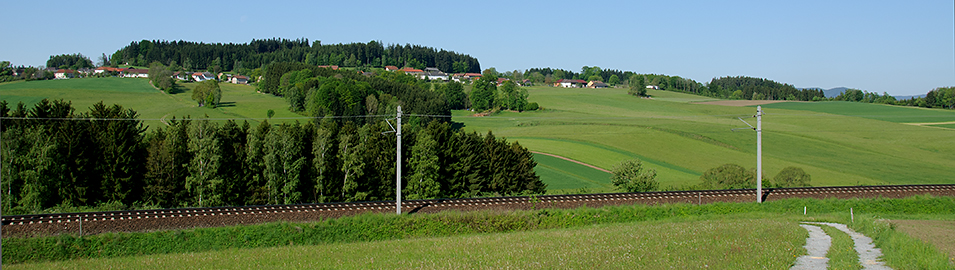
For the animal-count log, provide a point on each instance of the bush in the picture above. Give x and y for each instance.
(728, 176)
(532, 106)
(792, 177)
(631, 176)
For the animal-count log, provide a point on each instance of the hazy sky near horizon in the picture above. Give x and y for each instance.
(899, 47)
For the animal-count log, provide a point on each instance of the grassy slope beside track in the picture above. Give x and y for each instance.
(723, 235)
(718, 244)
(239, 101)
(837, 146)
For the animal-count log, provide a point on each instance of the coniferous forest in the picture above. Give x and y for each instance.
(257, 53)
(55, 156)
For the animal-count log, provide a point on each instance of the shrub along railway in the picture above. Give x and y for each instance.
(170, 219)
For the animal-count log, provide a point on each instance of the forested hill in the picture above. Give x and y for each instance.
(229, 56)
(742, 87)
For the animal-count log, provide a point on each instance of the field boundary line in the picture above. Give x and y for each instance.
(931, 124)
(574, 161)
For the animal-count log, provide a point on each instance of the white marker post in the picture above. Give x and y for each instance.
(759, 154)
(398, 167)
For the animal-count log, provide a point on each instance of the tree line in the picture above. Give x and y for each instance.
(739, 87)
(633, 176)
(485, 95)
(257, 53)
(942, 97)
(742, 87)
(319, 92)
(69, 61)
(106, 156)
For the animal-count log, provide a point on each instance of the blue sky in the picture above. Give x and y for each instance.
(899, 47)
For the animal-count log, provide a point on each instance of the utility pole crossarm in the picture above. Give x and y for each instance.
(759, 150)
(398, 167)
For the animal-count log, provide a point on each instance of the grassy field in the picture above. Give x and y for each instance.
(718, 244)
(838, 143)
(720, 235)
(153, 106)
(889, 113)
(562, 176)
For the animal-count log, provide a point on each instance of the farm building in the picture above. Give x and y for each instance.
(64, 74)
(597, 84)
(568, 83)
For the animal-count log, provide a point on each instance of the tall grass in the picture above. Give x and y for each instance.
(900, 251)
(377, 227)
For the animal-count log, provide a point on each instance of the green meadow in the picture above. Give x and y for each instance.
(568, 177)
(719, 235)
(238, 101)
(837, 143)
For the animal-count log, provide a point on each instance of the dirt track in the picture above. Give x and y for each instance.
(574, 161)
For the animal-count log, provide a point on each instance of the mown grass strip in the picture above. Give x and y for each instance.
(842, 254)
(380, 227)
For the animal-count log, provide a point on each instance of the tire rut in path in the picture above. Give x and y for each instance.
(868, 253)
(817, 245)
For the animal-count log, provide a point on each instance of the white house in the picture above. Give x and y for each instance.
(434, 74)
(568, 83)
(240, 79)
(64, 74)
(136, 73)
(203, 76)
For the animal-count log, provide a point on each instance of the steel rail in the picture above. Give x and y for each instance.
(512, 202)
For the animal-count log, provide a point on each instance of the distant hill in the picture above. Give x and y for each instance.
(830, 93)
(909, 97)
(833, 92)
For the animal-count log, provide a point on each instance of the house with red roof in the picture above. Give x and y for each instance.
(64, 74)
(570, 83)
(135, 73)
(412, 71)
(108, 69)
(240, 80)
(465, 76)
(391, 68)
(500, 81)
(203, 76)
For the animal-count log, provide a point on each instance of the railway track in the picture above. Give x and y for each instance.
(183, 218)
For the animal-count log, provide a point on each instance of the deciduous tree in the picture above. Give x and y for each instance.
(638, 85)
(423, 183)
(728, 176)
(632, 176)
(792, 177)
(207, 93)
(204, 181)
